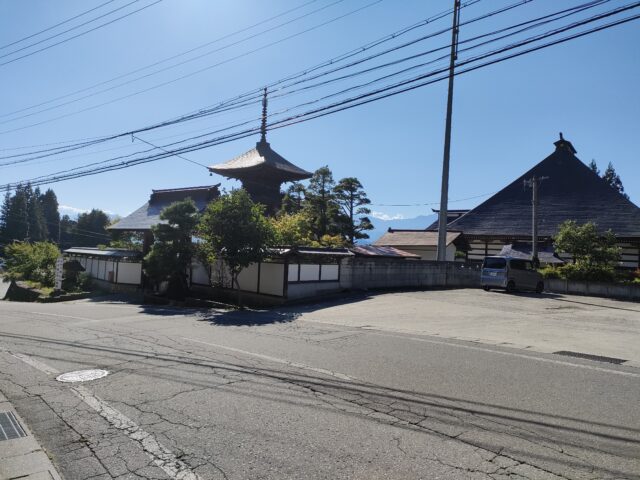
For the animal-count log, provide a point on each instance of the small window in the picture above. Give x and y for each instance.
(518, 264)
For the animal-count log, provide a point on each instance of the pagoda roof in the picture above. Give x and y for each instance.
(572, 191)
(149, 214)
(259, 162)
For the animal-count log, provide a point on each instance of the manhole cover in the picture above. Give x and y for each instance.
(82, 375)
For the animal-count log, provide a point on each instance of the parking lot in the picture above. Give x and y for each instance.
(543, 323)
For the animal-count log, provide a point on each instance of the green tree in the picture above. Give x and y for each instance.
(5, 210)
(67, 229)
(292, 229)
(38, 230)
(586, 245)
(594, 167)
(91, 229)
(32, 261)
(613, 179)
(171, 253)
(320, 203)
(235, 231)
(49, 207)
(293, 200)
(353, 201)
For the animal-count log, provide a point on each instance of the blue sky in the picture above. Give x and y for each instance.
(506, 116)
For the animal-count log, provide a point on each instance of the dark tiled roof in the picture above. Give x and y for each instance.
(261, 160)
(451, 216)
(412, 238)
(149, 214)
(572, 192)
(387, 252)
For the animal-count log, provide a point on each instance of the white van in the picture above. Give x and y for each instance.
(511, 274)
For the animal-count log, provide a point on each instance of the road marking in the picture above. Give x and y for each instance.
(161, 455)
(37, 364)
(508, 354)
(341, 376)
(66, 316)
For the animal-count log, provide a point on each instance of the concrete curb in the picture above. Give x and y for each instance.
(23, 457)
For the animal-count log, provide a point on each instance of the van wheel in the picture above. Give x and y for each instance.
(511, 286)
(486, 288)
(540, 287)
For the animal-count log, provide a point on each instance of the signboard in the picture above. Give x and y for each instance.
(58, 278)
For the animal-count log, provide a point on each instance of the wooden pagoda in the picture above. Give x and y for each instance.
(262, 170)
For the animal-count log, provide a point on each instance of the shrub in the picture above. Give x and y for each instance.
(550, 271)
(32, 261)
(588, 272)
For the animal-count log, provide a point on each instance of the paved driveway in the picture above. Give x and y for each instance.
(544, 323)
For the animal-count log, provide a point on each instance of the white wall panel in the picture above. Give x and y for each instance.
(272, 278)
(129, 273)
(330, 272)
(309, 273)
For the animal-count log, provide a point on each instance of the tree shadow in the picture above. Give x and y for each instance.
(245, 318)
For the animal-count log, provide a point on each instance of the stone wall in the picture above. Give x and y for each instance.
(610, 290)
(360, 273)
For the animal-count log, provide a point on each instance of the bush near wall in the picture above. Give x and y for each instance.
(587, 272)
(35, 262)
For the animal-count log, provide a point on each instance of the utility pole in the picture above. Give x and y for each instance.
(534, 183)
(444, 189)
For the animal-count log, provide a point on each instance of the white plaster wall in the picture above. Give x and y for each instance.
(272, 278)
(293, 272)
(330, 272)
(309, 273)
(199, 274)
(248, 278)
(130, 273)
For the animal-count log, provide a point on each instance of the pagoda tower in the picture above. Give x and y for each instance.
(262, 170)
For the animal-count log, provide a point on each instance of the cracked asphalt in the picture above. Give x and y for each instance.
(282, 395)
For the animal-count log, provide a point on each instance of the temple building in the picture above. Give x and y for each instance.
(570, 191)
(262, 170)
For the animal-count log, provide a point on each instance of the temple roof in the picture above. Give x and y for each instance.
(412, 238)
(149, 214)
(259, 162)
(572, 191)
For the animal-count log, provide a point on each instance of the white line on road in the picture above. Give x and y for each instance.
(508, 354)
(84, 319)
(341, 376)
(160, 454)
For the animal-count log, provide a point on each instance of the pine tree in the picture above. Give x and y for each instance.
(49, 206)
(613, 179)
(4, 215)
(352, 200)
(91, 229)
(320, 203)
(594, 167)
(38, 230)
(293, 199)
(16, 216)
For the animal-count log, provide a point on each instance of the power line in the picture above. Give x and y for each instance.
(163, 61)
(362, 99)
(365, 98)
(167, 151)
(74, 36)
(56, 25)
(331, 61)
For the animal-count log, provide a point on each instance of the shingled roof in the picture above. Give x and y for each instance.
(412, 238)
(149, 214)
(572, 191)
(261, 160)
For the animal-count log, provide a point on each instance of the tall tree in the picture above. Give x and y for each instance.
(67, 229)
(91, 229)
(38, 230)
(4, 216)
(15, 212)
(171, 253)
(49, 206)
(235, 231)
(594, 167)
(293, 199)
(353, 202)
(612, 178)
(320, 203)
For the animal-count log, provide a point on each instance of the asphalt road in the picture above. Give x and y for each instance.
(278, 395)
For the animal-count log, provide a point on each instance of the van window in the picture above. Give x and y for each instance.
(518, 264)
(494, 263)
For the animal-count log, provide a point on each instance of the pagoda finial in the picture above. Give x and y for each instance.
(561, 137)
(263, 126)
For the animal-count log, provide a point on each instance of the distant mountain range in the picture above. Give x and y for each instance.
(381, 226)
